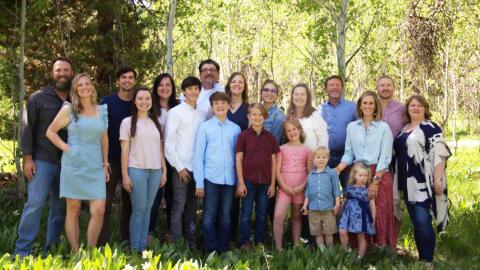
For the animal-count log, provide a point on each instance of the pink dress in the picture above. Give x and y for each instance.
(294, 170)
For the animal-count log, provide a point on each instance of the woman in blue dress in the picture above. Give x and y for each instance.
(358, 211)
(84, 165)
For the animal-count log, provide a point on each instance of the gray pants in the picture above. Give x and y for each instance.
(183, 209)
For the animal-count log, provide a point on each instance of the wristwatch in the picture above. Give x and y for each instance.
(377, 179)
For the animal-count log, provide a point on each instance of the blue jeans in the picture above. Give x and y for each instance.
(422, 229)
(216, 203)
(145, 183)
(256, 193)
(45, 183)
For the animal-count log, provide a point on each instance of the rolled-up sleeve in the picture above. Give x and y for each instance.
(348, 156)
(385, 150)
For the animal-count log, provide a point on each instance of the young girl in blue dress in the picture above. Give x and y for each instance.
(358, 212)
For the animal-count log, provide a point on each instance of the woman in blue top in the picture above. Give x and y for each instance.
(237, 89)
(370, 140)
(276, 117)
(85, 158)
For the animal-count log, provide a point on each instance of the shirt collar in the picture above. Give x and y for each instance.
(373, 123)
(218, 122)
(340, 101)
(252, 131)
(326, 170)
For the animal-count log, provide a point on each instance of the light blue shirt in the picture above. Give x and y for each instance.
(214, 157)
(274, 122)
(372, 145)
(337, 118)
(322, 189)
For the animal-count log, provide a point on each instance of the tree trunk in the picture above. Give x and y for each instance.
(341, 34)
(21, 96)
(169, 41)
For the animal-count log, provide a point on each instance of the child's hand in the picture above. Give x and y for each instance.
(200, 192)
(290, 191)
(241, 190)
(297, 190)
(336, 209)
(271, 191)
(304, 210)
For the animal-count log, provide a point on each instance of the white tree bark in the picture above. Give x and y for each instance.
(341, 33)
(169, 39)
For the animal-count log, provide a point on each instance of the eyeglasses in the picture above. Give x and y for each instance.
(208, 70)
(273, 91)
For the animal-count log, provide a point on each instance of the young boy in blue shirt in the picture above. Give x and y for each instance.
(322, 198)
(214, 172)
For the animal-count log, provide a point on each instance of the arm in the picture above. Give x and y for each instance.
(336, 193)
(348, 156)
(198, 159)
(373, 210)
(61, 120)
(271, 188)
(104, 145)
(126, 181)
(241, 189)
(437, 177)
(163, 180)
(301, 187)
(280, 181)
(321, 131)
(28, 123)
(305, 206)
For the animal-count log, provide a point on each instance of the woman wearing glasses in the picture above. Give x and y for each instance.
(276, 117)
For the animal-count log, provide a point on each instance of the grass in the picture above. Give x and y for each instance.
(458, 248)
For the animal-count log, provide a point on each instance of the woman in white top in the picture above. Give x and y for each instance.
(143, 164)
(301, 108)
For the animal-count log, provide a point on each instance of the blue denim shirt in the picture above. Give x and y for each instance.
(337, 118)
(322, 189)
(214, 157)
(274, 123)
(372, 145)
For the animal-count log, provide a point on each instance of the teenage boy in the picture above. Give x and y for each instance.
(183, 122)
(322, 198)
(119, 107)
(256, 164)
(214, 171)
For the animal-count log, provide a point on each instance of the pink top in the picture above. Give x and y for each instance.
(145, 147)
(294, 158)
(394, 115)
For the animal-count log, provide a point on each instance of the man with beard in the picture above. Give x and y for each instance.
(209, 75)
(119, 107)
(41, 160)
(393, 111)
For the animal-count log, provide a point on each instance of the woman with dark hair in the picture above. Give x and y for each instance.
(274, 122)
(237, 89)
(369, 139)
(421, 153)
(85, 158)
(143, 164)
(164, 98)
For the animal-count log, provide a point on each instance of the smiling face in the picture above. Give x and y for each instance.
(367, 106)
(220, 108)
(416, 110)
(62, 74)
(334, 89)
(209, 74)
(269, 93)
(237, 85)
(143, 101)
(256, 117)
(84, 87)
(299, 97)
(385, 88)
(126, 81)
(320, 159)
(292, 132)
(165, 88)
(191, 94)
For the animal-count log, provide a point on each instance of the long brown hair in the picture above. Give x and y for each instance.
(308, 110)
(296, 124)
(245, 89)
(152, 114)
(377, 114)
(77, 106)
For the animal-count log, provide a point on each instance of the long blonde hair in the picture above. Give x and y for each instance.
(75, 98)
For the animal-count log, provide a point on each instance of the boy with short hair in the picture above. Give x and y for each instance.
(322, 198)
(214, 171)
(181, 129)
(256, 165)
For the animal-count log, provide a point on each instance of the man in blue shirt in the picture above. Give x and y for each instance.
(338, 113)
(214, 172)
(119, 107)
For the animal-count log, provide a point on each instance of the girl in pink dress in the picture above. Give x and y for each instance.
(293, 164)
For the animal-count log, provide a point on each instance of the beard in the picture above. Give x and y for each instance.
(63, 86)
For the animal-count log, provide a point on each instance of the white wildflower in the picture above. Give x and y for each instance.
(146, 266)
(147, 254)
(128, 267)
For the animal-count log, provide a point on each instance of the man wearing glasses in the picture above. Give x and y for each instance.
(338, 113)
(209, 74)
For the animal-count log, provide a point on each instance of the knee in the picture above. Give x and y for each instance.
(73, 211)
(343, 233)
(97, 211)
(278, 217)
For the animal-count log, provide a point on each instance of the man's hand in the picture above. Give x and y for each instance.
(29, 167)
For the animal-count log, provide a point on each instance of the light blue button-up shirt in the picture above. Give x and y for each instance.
(372, 145)
(322, 189)
(274, 122)
(214, 157)
(337, 118)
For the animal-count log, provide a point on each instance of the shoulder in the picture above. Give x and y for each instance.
(108, 99)
(430, 128)
(127, 121)
(38, 93)
(354, 124)
(103, 108)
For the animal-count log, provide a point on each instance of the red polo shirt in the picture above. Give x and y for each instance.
(257, 155)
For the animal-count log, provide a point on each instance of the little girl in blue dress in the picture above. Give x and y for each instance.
(358, 212)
